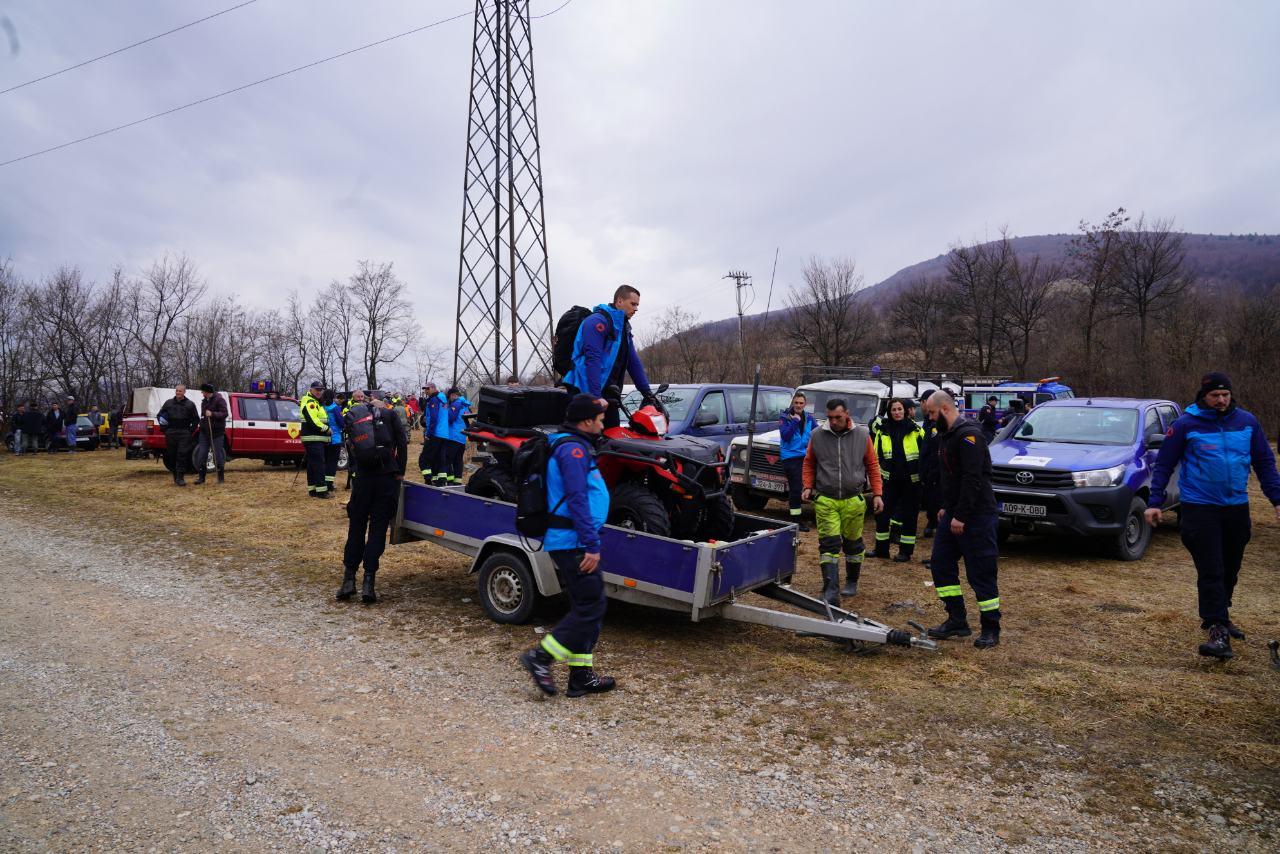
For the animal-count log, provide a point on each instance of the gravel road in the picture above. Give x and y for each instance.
(151, 702)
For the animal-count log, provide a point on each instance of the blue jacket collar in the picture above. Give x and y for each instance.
(618, 317)
(1208, 414)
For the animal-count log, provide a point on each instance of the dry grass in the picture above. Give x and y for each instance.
(1096, 675)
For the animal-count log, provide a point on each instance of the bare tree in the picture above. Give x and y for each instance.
(1153, 276)
(1027, 302)
(979, 275)
(918, 314)
(168, 290)
(299, 332)
(384, 317)
(685, 341)
(1094, 259)
(827, 322)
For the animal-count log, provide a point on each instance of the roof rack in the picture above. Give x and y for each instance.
(818, 373)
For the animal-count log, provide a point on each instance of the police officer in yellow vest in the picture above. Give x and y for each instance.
(898, 443)
(315, 436)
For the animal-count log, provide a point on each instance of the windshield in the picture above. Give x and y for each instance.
(675, 400)
(288, 410)
(1084, 425)
(862, 407)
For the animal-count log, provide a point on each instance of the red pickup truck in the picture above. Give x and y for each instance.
(260, 427)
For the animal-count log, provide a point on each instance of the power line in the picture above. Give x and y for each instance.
(241, 88)
(127, 47)
(552, 12)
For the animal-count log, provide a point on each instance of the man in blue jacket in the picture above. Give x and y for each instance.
(604, 353)
(795, 427)
(429, 461)
(1215, 442)
(578, 500)
(454, 440)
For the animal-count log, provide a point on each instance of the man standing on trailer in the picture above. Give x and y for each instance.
(604, 354)
(967, 524)
(315, 435)
(1215, 442)
(578, 501)
(840, 461)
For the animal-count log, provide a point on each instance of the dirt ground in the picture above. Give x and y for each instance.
(177, 676)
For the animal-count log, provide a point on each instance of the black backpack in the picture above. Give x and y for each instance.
(370, 437)
(567, 335)
(529, 466)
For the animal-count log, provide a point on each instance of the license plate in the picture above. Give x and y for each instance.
(1025, 509)
(769, 485)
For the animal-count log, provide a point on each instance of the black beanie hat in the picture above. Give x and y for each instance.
(1213, 381)
(582, 408)
(206, 387)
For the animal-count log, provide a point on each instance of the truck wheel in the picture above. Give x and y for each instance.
(1131, 543)
(717, 520)
(747, 500)
(492, 481)
(506, 588)
(633, 506)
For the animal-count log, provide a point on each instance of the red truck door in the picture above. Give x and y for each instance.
(286, 438)
(252, 426)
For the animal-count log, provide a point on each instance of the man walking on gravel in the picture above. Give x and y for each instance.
(967, 524)
(179, 416)
(1215, 442)
(578, 501)
(839, 462)
(379, 451)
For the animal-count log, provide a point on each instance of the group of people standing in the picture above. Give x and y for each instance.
(57, 426)
(443, 439)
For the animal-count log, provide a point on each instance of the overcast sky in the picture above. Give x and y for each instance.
(679, 139)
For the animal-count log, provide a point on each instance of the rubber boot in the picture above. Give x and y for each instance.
(852, 571)
(904, 554)
(538, 662)
(367, 594)
(200, 477)
(179, 480)
(583, 681)
(222, 476)
(990, 636)
(348, 588)
(1219, 643)
(831, 583)
(957, 623)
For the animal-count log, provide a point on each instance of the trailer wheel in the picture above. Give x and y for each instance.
(492, 481)
(717, 520)
(506, 588)
(633, 506)
(1132, 541)
(748, 500)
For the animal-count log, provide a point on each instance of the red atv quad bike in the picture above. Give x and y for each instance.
(658, 484)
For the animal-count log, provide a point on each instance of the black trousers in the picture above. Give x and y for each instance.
(369, 513)
(429, 460)
(574, 637)
(451, 452)
(217, 443)
(979, 549)
(1216, 537)
(315, 466)
(177, 450)
(794, 470)
(900, 516)
(331, 454)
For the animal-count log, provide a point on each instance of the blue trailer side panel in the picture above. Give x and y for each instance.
(753, 562)
(651, 559)
(456, 512)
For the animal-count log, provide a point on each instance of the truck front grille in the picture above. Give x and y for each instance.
(1039, 478)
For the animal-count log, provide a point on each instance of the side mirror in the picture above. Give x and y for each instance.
(660, 389)
(705, 419)
(1154, 441)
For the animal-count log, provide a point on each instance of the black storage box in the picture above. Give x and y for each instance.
(521, 406)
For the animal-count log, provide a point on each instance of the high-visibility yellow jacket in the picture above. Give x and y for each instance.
(910, 449)
(315, 421)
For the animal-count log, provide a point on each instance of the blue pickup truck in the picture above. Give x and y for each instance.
(718, 412)
(1083, 466)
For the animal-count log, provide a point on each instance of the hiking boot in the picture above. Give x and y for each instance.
(903, 556)
(1234, 631)
(1219, 643)
(989, 637)
(200, 478)
(952, 627)
(803, 528)
(852, 572)
(348, 588)
(583, 680)
(831, 584)
(882, 550)
(367, 594)
(538, 662)
(179, 481)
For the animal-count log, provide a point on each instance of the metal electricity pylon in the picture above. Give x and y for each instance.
(504, 288)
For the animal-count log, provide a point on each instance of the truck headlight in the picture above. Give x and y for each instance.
(742, 454)
(1099, 477)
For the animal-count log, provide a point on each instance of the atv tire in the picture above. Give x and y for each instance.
(717, 520)
(633, 506)
(493, 481)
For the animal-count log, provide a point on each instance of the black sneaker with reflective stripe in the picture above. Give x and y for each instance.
(1219, 643)
(538, 663)
(583, 680)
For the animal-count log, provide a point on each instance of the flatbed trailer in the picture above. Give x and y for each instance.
(704, 580)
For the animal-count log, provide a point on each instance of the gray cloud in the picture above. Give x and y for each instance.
(679, 139)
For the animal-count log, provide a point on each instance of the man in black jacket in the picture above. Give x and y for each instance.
(967, 524)
(179, 416)
(377, 475)
(213, 431)
(54, 424)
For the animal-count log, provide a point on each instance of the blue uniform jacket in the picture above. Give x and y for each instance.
(335, 423)
(795, 435)
(1215, 451)
(576, 489)
(431, 413)
(455, 421)
(598, 348)
(441, 428)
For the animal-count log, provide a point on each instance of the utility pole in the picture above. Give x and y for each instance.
(741, 279)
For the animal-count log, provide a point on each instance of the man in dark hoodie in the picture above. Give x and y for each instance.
(1215, 442)
(213, 431)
